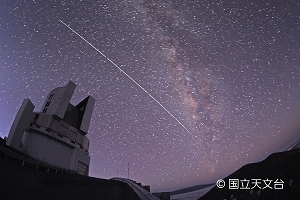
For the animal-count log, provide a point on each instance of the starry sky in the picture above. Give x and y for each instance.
(228, 71)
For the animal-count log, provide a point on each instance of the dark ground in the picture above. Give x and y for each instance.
(18, 182)
(284, 166)
(191, 189)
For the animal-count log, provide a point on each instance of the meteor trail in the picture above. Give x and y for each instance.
(125, 74)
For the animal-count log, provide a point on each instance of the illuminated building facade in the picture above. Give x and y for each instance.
(57, 134)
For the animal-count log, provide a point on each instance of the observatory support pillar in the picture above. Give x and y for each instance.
(21, 122)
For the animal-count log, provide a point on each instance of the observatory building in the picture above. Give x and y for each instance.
(57, 134)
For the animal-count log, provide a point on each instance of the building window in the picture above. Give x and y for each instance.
(48, 103)
(36, 118)
(50, 97)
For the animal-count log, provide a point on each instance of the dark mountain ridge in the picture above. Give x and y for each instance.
(278, 170)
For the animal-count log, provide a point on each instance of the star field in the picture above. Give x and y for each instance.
(229, 71)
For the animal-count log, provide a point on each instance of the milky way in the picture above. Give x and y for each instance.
(229, 71)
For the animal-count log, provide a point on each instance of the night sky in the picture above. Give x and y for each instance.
(229, 71)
